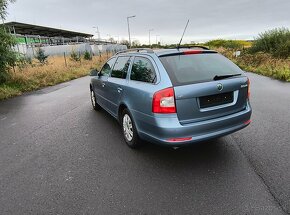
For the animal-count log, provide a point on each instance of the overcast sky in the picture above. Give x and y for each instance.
(209, 19)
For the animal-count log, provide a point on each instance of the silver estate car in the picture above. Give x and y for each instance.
(172, 97)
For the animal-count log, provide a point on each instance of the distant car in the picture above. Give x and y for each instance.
(172, 97)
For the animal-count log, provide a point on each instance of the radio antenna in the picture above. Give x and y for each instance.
(183, 34)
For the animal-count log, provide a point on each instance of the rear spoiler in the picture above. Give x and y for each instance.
(188, 52)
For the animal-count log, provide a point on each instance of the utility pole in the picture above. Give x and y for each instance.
(129, 29)
(150, 36)
(98, 32)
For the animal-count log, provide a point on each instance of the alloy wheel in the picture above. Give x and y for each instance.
(127, 127)
(93, 98)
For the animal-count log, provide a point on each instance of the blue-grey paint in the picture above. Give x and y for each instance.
(190, 120)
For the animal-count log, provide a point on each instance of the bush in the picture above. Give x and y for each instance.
(275, 42)
(87, 56)
(228, 44)
(74, 56)
(40, 56)
(22, 61)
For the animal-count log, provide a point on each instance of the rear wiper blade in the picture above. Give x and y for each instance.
(219, 77)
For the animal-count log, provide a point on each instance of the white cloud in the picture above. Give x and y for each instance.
(240, 19)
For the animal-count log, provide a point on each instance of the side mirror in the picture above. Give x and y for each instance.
(94, 72)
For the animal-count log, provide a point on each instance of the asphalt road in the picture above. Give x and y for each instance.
(58, 156)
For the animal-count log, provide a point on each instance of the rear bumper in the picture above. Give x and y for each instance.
(160, 128)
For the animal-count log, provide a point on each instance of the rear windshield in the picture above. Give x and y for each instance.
(186, 69)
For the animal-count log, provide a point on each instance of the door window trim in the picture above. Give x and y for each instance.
(112, 66)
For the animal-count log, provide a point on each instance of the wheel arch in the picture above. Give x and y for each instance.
(122, 107)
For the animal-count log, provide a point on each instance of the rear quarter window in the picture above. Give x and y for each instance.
(187, 69)
(143, 70)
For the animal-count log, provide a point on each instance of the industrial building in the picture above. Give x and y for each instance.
(56, 41)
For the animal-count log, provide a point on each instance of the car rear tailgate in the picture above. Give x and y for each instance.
(208, 100)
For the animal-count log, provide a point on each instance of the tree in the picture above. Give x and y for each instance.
(136, 43)
(74, 56)
(125, 42)
(87, 55)
(111, 40)
(40, 56)
(3, 8)
(7, 41)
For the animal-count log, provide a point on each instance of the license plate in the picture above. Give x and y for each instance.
(215, 100)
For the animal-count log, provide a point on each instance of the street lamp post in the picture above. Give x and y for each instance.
(109, 37)
(150, 36)
(129, 29)
(156, 38)
(118, 41)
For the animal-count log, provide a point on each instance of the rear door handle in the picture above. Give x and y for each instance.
(119, 89)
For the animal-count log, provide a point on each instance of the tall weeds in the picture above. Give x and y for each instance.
(36, 75)
(265, 64)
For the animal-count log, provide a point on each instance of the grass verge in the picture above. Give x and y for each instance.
(261, 63)
(36, 76)
(266, 65)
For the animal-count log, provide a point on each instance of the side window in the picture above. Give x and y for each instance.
(107, 68)
(121, 67)
(143, 70)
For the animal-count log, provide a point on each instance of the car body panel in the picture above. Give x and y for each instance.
(99, 85)
(115, 91)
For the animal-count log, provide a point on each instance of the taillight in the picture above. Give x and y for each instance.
(192, 52)
(164, 101)
(249, 93)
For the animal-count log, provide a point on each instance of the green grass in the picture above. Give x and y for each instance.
(7, 91)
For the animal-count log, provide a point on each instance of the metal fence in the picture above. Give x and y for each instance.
(68, 49)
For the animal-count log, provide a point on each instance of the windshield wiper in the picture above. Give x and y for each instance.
(219, 77)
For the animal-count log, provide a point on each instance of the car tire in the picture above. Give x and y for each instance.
(129, 130)
(95, 105)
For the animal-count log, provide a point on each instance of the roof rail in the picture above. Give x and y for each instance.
(136, 50)
(195, 46)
